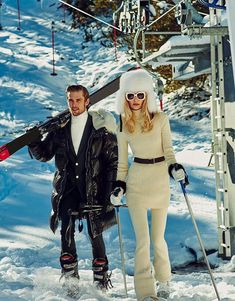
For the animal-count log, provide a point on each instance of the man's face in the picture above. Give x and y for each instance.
(76, 102)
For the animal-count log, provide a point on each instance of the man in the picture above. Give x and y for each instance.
(85, 151)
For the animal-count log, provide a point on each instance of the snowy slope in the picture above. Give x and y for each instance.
(29, 266)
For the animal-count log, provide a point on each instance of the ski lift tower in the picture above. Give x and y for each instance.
(222, 116)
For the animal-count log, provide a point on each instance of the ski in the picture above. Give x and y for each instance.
(55, 122)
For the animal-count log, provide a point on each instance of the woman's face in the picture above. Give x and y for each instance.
(135, 100)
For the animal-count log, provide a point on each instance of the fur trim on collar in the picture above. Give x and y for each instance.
(103, 118)
(136, 81)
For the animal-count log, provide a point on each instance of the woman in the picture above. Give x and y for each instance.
(146, 183)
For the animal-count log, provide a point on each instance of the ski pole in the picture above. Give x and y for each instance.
(121, 247)
(18, 9)
(53, 47)
(199, 238)
(0, 14)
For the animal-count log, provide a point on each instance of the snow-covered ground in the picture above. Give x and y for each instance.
(29, 265)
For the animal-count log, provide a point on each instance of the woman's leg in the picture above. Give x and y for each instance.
(162, 265)
(143, 278)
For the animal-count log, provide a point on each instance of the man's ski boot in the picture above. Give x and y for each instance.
(101, 276)
(70, 274)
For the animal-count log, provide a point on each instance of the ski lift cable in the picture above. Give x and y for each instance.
(91, 16)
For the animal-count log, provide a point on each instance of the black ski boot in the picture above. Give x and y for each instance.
(70, 274)
(69, 265)
(101, 276)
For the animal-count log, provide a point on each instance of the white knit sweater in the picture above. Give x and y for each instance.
(77, 127)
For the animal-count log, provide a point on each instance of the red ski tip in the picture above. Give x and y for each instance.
(4, 153)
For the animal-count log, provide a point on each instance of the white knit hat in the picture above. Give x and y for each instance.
(136, 81)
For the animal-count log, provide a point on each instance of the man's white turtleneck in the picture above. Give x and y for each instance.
(77, 127)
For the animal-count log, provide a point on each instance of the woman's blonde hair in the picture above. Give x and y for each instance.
(129, 119)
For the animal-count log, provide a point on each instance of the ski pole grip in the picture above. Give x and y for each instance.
(116, 191)
(183, 186)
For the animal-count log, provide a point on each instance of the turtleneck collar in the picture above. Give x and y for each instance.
(77, 128)
(80, 118)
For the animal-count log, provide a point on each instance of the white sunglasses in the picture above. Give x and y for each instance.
(140, 96)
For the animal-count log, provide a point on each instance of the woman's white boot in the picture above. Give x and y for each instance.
(163, 289)
(150, 299)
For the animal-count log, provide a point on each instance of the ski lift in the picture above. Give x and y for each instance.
(183, 13)
(214, 4)
(125, 16)
(144, 12)
(160, 89)
(132, 14)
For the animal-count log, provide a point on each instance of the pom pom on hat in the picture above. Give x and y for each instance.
(136, 81)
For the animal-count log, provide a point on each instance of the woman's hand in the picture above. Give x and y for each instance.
(178, 173)
(116, 196)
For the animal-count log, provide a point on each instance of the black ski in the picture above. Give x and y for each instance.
(54, 122)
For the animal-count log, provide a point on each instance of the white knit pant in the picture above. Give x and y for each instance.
(144, 277)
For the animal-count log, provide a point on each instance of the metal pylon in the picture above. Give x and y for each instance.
(219, 136)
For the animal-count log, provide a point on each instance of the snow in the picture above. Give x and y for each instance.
(29, 251)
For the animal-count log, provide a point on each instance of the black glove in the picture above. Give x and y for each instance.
(178, 173)
(37, 134)
(119, 184)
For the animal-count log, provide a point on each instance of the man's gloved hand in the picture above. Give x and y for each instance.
(116, 196)
(177, 172)
(38, 138)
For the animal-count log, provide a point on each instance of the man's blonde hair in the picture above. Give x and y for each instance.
(129, 120)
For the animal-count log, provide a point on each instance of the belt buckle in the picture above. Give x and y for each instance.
(153, 160)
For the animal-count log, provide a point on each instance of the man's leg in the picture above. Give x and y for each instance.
(68, 258)
(100, 262)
